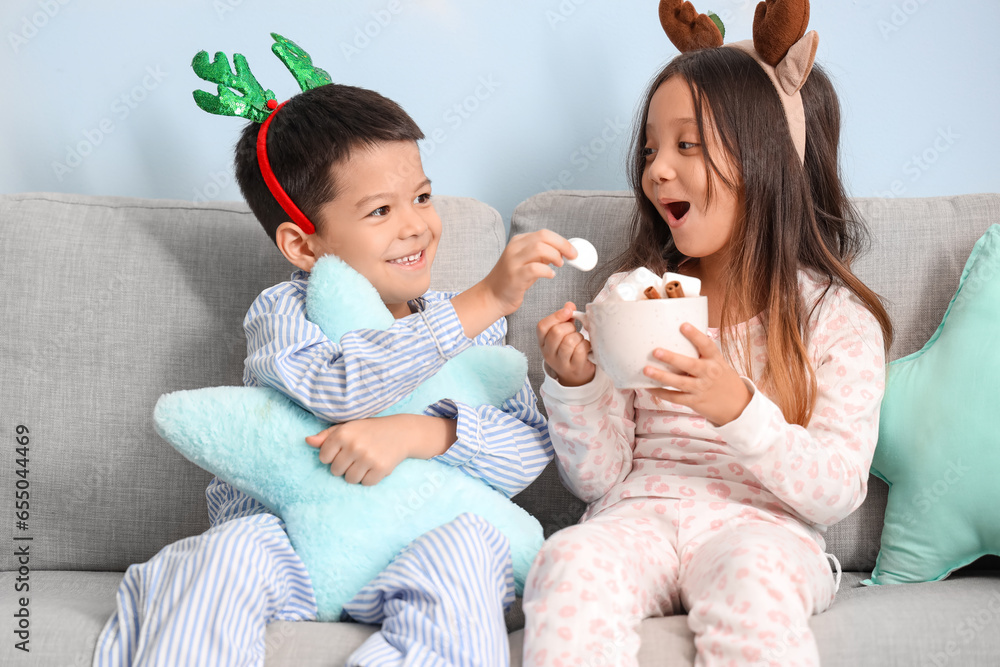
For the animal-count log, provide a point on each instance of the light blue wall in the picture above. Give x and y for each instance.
(513, 95)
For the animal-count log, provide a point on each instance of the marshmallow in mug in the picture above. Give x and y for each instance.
(632, 286)
(690, 285)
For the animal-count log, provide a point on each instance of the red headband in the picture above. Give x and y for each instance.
(289, 207)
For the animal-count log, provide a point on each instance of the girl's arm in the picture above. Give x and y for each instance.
(360, 375)
(592, 434)
(821, 471)
(590, 422)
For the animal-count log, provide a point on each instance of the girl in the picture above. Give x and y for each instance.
(713, 497)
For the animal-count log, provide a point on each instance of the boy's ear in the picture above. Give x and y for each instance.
(296, 245)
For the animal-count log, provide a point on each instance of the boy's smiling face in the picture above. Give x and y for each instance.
(382, 222)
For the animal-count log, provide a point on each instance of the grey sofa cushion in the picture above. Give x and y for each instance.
(918, 250)
(952, 622)
(108, 303)
(66, 610)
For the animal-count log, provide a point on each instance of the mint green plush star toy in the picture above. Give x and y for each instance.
(254, 439)
(939, 436)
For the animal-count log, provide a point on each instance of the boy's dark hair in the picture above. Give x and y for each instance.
(316, 130)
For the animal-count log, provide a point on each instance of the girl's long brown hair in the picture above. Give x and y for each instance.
(792, 218)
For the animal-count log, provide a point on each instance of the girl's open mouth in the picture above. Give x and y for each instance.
(676, 211)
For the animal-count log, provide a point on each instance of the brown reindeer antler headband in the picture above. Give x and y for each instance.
(780, 46)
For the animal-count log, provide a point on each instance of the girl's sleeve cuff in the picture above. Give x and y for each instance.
(583, 395)
(747, 432)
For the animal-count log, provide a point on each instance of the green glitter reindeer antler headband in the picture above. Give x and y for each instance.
(254, 103)
(299, 63)
(240, 94)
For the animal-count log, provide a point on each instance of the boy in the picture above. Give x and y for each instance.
(348, 159)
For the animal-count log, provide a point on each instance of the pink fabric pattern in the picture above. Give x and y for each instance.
(724, 522)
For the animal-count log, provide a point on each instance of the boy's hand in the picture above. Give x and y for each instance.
(525, 259)
(565, 349)
(707, 384)
(366, 450)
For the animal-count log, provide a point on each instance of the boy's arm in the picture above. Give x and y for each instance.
(506, 447)
(525, 259)
(360, 375)
(364, 451)
(369, 370)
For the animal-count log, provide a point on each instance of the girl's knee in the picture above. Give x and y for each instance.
(557, 554)
(762, 565)
(592, 539)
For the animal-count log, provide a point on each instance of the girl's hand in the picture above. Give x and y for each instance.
(708, 385)
(565, 349)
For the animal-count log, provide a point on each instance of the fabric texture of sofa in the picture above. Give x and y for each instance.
(110, 302)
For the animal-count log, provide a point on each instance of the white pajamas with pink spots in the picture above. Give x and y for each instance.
(724, 522)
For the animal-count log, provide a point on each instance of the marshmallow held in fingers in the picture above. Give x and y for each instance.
(586, 255)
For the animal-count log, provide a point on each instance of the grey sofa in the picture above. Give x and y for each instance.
(109, 302)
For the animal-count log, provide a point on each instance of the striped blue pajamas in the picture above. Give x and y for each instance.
(368, 370)
(208, 599)
(441, 601)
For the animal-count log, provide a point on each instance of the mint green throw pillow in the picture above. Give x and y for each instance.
(939, 436)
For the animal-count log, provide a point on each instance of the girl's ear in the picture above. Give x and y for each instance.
(296, 245)
(794, 68)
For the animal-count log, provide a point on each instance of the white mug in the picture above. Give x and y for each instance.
(623, 335)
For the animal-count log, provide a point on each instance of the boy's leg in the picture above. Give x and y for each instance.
(207, 599)
(441, 601)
